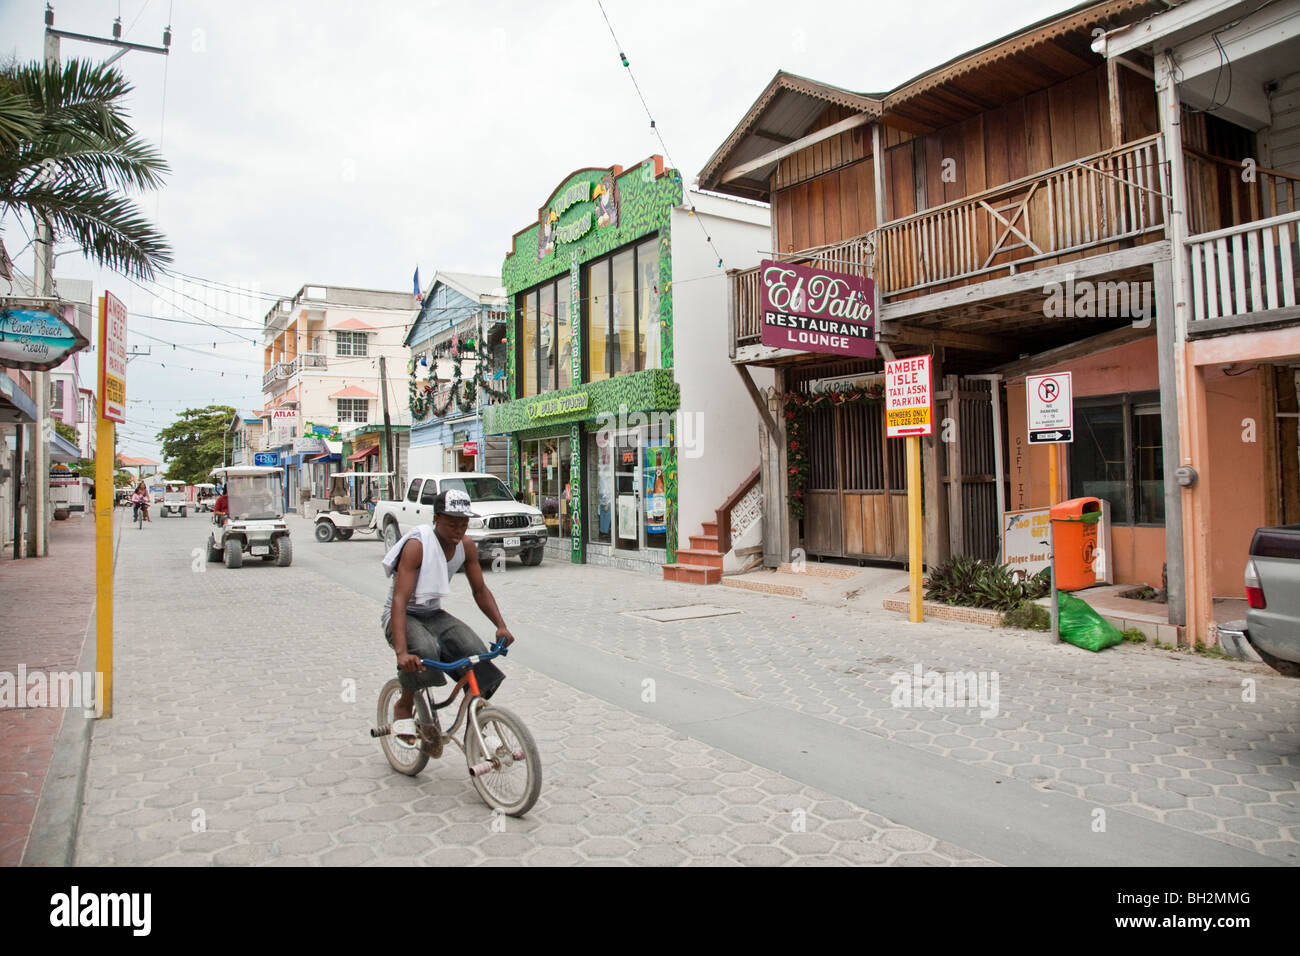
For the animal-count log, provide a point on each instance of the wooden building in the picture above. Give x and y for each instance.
(1013, 208)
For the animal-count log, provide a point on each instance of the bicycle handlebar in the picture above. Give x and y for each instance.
(499, 649)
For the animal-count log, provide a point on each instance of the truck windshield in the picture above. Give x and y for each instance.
(479, 489)
(253, 497)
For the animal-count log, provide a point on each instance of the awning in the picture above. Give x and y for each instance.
(334, 452)
(63, 450)
(353, 391)
(364, 453)
(15, 404)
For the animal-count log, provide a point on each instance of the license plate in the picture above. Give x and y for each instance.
(260, 550)
(512, 542)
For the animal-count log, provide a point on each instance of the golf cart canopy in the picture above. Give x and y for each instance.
(246, 471)
(362, 474)
(204, 486)
(173, 481)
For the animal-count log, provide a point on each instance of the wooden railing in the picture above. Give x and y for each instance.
(1222, 193)
(1109, 196)
(1246, 268)
(854, 256)
(724, 513)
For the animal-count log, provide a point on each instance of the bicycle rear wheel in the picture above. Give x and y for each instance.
(407, 760)
(515, 781)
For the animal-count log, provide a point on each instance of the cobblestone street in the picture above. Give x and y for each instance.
(767, 736)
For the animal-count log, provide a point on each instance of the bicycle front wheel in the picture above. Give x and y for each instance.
(407, 760)
(515, 780)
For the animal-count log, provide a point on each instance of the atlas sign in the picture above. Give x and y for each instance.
(811, 310)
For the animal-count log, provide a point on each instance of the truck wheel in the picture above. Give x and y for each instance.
(284, 552)
(391, 535)
(234, 553)
(533, 556)
(324, 532)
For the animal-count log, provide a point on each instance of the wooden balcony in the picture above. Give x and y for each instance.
(1243, 271)
(1103, 199)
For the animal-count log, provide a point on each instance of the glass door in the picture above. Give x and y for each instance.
(627, 491)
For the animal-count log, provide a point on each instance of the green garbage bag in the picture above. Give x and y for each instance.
(1084, 627)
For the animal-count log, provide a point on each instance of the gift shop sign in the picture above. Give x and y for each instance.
(908, 408)
(811, 310)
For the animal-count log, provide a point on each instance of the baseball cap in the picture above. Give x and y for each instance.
(454, 503)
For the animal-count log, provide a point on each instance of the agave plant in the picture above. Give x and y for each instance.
(69, 158)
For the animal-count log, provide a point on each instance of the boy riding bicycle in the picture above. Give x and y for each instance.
(422, 564)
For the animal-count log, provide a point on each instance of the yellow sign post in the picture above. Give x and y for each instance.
(909, 414)
(112, 408)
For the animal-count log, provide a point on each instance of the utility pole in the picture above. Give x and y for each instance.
(388, 430)
(39, 487)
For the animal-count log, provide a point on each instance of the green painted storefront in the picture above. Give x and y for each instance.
(596, 449)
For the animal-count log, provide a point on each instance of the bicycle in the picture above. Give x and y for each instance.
(496, 742)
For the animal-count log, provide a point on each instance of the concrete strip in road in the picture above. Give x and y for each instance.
(944, 798)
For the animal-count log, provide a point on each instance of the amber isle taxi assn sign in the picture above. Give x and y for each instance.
(908, 405)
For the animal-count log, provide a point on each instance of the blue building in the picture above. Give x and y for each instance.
(462, 322)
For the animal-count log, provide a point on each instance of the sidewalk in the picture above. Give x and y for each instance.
(47, 604)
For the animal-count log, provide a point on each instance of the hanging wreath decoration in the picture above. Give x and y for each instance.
(796, 407)
(463, 393)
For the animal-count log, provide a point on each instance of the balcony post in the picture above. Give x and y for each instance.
(1198, 607)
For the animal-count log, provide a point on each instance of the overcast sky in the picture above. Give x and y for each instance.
(347, 143)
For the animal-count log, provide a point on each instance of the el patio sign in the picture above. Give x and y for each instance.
(811, 310)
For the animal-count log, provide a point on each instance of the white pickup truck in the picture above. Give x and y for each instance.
(504, 526)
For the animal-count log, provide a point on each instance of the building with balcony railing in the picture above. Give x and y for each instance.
(461, 322)
(1030, 207)
(322, 374)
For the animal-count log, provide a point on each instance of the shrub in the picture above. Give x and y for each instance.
(1028, 615)
(970, 582)
(1134, 636)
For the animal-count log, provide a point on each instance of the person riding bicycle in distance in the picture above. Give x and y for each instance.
(422, 565)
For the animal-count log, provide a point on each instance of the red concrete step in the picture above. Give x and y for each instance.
(692, 574)
(705, 542)
(708, 559)
(710, 527)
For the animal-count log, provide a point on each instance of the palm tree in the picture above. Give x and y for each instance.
(68, 156)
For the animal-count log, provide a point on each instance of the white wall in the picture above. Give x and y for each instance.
(424, 460)
(717, 414)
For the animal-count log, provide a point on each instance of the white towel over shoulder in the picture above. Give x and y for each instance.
(434, 581)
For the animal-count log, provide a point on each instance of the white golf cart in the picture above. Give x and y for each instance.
(174, 501)
(343, 518)
(255, 523)
(205, 495)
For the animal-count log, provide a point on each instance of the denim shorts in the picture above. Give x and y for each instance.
(441, 637)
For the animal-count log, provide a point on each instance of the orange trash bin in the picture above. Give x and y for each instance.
(1074, 542)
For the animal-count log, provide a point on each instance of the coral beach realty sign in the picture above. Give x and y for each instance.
(812, 310)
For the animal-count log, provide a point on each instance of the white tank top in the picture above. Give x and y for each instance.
(436, 572)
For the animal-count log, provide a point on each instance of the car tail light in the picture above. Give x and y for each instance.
(1254, 593)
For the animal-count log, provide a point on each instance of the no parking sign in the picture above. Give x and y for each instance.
(1051, 408)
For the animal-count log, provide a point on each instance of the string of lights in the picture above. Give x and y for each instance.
(654, 127)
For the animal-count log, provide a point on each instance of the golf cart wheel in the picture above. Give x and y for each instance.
(214, 553)
(283, 552)
(234, 554)
(391, 535)
(344, 533)
(182, 512)
(324, 531)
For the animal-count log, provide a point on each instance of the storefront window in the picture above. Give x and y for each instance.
(623, 312)
(1118, 455)
(647, 267)
(563, 333)
(600, 487)
(597, 319)
(528, 349)
(546, 337)
(546, 463)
